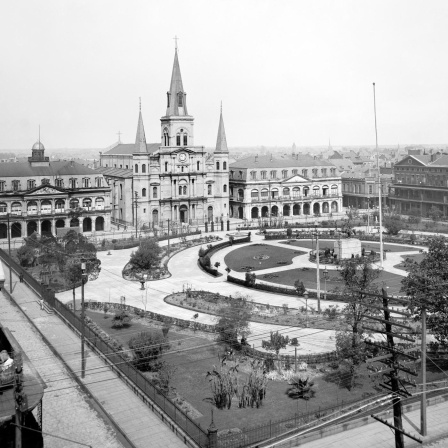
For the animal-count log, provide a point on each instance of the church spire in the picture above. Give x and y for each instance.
(176, 97)
(221, 141)
(140, 139)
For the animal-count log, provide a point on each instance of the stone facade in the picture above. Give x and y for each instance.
(173, 180)
(40, 196)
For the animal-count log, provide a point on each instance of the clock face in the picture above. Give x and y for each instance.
(182, 157)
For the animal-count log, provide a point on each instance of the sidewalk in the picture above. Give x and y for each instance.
(378, 435)
(134, 418)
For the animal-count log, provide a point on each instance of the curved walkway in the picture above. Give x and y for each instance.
(110, 286)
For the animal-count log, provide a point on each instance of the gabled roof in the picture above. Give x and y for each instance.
(279, 162)
(129, 149)
(61, 168)
(115, 172)
(441, 161)
(421, 160)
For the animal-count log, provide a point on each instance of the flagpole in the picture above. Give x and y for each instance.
(379, 181)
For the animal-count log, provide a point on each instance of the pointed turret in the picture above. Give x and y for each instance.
(140, 139)
(177, 98)
(221, 141)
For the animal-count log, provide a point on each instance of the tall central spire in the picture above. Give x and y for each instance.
(140, 139)
(221, 141)
(177, 98)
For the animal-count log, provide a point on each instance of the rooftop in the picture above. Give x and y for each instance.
(129, 148)
(280, 162)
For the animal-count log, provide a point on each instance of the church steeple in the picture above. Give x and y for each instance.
(176, 97)
(221, 141)
(140, 139)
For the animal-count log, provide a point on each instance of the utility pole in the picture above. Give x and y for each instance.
(394, 363)
(9, 253)
(317, 267)
(83, 358)
(168, 237)
(20, 399)
(423, 424)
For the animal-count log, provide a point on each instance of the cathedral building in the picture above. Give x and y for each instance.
(173, 179)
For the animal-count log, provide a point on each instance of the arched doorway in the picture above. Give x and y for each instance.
(210, 214)
(274, 210)
(306, 209)
(316, 209)
(254, 213)
(45, 227)
(155, 217)
(265, 211)
(74, 222)
(240, 212)
(3, 231)
(286, 210)
(99, 224)
(31, 227)
(60, 223)
(325, 207)
(296, 209)
(16, 230)
(183, 213)
(334, 207)
(87, 225)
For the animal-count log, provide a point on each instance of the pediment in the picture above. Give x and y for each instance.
(410, 161)
(45, 189)
(294, 179)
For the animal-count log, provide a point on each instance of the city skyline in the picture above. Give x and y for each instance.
(78, 70)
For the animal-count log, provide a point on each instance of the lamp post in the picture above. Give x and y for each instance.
(305, 295)
(317, 266)
(9, 253)
(325, 274)
(145, 277)
(83, 358)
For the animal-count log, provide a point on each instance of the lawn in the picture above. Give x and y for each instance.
(308, 277)
(416, 257)
(367, 245)
(260, 256)
(191, 383)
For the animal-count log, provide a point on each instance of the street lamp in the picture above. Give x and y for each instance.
(83, 280)
(305, 295)
(145, 277)
(325, 274)
(317, 266)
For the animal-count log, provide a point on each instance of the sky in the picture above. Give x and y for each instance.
(288, 71)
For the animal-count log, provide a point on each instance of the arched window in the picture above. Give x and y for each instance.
(136, 168)
(296, 192)
(166, 138)
(178, 140)
(198, 165)
(166, 166)
(74, 203)
(209, 189)
(87, 203)
(224, 188)
(254, 194)
(180, 99)
(121, 191)
(184, 190)
(3, 207)
(285, 191)
(217, 165)
(224, 165)
(143, 192)
(144, 168)
(154, 192)
(185, 139)
(99, 203)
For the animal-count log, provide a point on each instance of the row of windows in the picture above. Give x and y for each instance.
(46, 204)
(273, 174)
(72, 183)
(182, 191)
(357, 188)
(294, 192)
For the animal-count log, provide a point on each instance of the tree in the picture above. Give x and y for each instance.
(358, 275)
(147, 255)
(276, 342)
(148, 347)
(26, 255)
(250, 279)
(426, 286)
(393, 224)
(435, 213)
(233, 320)
(121, 319)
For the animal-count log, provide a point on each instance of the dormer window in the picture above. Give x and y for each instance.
(31, 183)
(284, 174)
(180, 99)
(16, 185)
(45, 181)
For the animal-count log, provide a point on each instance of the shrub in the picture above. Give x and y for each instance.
(147, 347)
(202, 252)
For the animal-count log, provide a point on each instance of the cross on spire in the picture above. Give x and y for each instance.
(119, 133)
(140, 103)
(175, 38)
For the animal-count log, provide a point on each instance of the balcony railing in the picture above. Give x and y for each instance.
(55, 211)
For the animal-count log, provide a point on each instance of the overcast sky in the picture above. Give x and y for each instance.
(286, 71)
